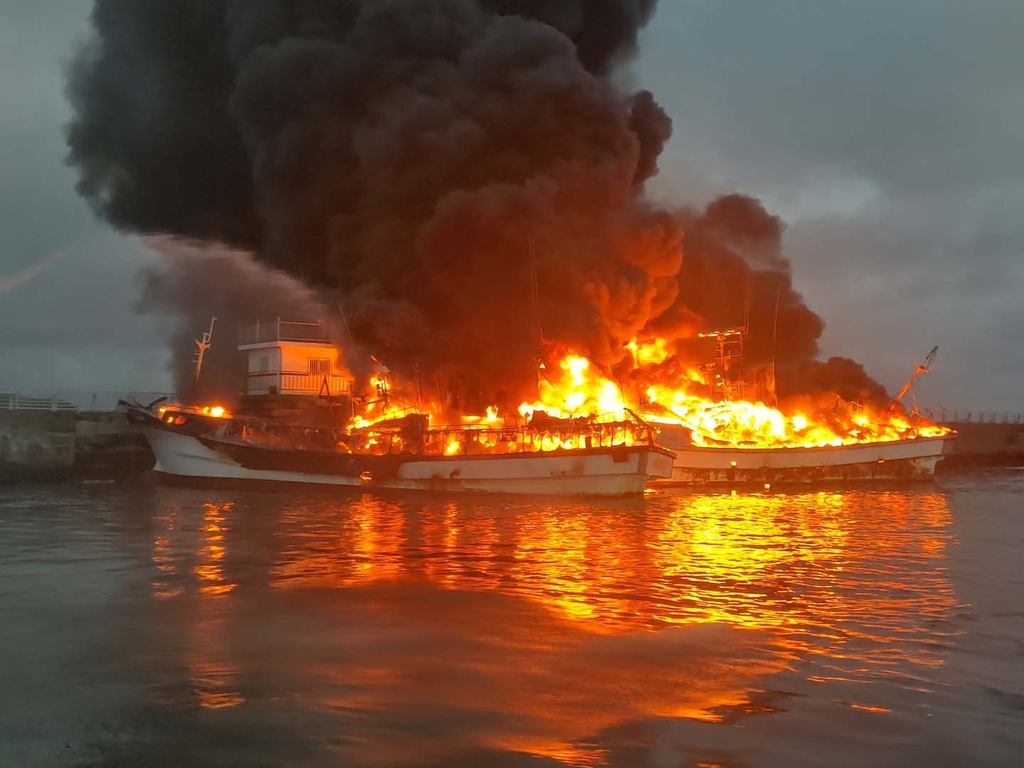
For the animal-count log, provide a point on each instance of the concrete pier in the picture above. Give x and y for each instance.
(36, 444)
(985, 445)
(62, 445)
(107, 449)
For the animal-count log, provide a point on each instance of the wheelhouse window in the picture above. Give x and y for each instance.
(319, 366)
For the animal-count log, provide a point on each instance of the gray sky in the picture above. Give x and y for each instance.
(890, 135)
(67, 281)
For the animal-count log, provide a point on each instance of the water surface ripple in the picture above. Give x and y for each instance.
(153, 626)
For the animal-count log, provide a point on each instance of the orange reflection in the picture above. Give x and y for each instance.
(213, 673)
(209, 659)
(199, 536)
(802, 562)
(210, 569)
(492, 672)
(592, 602)
(866, 708)
(163, 560)
(442, 539)
(552, 565)
(357, 543)
(532, 627)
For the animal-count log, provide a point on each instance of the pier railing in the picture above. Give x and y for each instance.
(263, 332)
(11, 401)
(102, 400)
(947, 416)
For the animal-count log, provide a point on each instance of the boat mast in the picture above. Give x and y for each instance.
(538, 332)
(202, 345)
(773, 394)
(925, 366)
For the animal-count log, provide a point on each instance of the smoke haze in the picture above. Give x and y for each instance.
(195, 282)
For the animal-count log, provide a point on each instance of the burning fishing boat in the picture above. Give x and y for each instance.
(386, 444)
(714, 419)
(721, 439)
(912, 456)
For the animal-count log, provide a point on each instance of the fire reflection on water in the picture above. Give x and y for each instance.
(165, 523)
(360, 545)
(756, 561)
(207, 655)
(210, 569)
(209, 658)
(575, 618)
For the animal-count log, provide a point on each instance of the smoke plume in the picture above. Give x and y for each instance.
(421, 162)
(195, 282)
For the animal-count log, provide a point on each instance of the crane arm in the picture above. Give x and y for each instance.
(925, 366)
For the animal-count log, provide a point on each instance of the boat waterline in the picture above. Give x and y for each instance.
(910, 459)
(616, 471)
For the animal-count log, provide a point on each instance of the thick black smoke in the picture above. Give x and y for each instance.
(407, 152)
(420, 160)
(735, 275)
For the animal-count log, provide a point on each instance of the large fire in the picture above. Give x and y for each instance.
(382, 423)
(579, 405)
(681, 398)
(574, 391)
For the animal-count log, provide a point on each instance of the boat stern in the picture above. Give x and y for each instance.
(658, 463)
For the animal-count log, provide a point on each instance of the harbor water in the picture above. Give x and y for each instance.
(151, 626)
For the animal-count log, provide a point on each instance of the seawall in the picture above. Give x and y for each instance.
(106, 448)
(986, 445)
(36, 444)
(41, 445)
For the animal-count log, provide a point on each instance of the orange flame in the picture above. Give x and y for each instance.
(581, 389)
(583, 406)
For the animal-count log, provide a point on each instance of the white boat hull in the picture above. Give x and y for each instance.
(620, 471)
(910, 459)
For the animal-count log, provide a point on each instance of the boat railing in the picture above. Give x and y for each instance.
(327, 384)
(444, 440)
(608, 431)
(470, 441)
(264, 331)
